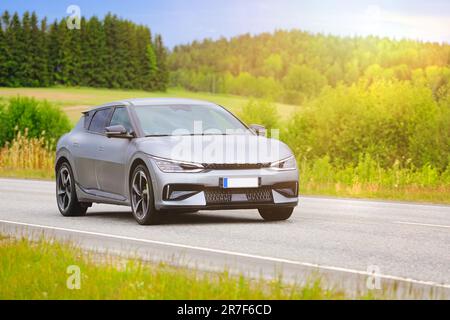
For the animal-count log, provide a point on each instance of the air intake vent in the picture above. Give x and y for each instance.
(235, 166)
(250, 195)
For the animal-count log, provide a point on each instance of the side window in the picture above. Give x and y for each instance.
(99, 120)
(120, 116)
(87, 119)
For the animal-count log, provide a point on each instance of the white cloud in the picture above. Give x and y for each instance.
(377, 21)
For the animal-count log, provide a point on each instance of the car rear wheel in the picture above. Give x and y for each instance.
(276, 214)
(142, 200)
(66, 195)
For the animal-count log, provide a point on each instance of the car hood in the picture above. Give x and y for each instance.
(215, 148)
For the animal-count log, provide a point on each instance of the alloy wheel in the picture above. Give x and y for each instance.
(140, 194)
(64, 190)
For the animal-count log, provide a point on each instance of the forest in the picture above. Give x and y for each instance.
(293, 66)
(112, 53)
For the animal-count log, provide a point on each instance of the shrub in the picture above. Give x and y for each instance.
(39, 118)
(393, 121)
(260, 112)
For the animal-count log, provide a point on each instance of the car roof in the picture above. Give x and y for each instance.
(154, 102)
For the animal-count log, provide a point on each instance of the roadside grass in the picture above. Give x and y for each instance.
(436, 195)
(74, 100)
(38, 270)
(31, 174)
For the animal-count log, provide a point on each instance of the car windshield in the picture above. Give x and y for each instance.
(176, 120)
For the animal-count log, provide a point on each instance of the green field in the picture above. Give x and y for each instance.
(39, 271)
(76, 100)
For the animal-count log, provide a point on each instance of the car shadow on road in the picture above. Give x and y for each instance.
(181, 218)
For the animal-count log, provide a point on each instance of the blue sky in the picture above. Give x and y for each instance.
(184, 21)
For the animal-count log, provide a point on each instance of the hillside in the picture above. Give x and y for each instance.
(292, 66)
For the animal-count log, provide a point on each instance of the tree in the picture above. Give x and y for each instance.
(94, 57)
(161, 57)
(305, 80)
(103, 53)
(38, 52)
(273, 65)
(65, 53)
(54, 63)
(14, 36)
(3, 57)
(27, 50)
(151, 68)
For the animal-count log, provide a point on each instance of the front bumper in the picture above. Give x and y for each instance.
(203, 190)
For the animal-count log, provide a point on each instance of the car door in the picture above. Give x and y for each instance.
(93, 147)
(84, 145)
(113, 157)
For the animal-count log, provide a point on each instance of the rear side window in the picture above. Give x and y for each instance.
(87, 119)
(99, 120)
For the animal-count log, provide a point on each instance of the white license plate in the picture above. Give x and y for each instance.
(240, 183)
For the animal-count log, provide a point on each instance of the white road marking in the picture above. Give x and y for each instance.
(232, 253)
(422, 224)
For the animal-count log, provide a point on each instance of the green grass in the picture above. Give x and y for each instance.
(76, 100)
(39, 271)
(436, 195)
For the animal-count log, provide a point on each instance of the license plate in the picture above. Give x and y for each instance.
(240, 183)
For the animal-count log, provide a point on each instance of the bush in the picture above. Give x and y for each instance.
(391, 121)
(39, 118)
(260, 112)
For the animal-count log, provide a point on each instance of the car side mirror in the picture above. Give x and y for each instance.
(117, 131)
(259, 129)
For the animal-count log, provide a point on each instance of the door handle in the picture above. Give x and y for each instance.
(76, 144)
(101, 148)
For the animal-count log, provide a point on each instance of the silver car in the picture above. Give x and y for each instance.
(173, 155)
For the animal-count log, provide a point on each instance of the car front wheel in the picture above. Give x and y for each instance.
(276, 214)
(142, 201)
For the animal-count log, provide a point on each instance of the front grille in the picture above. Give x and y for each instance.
(224, 196)
(235, 166)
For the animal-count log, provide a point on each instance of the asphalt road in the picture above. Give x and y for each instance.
(340, 240)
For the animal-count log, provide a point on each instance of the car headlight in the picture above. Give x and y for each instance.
(284, 164)
(166, 165)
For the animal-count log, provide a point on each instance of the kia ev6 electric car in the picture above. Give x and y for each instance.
(173, 155)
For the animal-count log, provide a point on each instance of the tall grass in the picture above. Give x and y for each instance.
(368, 179)
(27, 157)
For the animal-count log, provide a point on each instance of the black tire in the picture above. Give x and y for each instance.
(142, 197)
(276, 214)
(66, 195)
